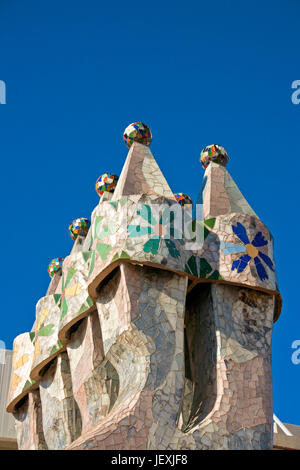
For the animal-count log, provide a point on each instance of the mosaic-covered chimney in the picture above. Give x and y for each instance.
(150, 337)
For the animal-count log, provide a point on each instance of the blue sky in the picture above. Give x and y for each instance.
(78, 72)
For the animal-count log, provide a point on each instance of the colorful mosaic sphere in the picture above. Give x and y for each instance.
(55, 266)
(79, 227)
(213, 153)
(137, 132)
(183, 199)
(106, 182)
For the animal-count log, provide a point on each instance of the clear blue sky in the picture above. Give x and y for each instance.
(77, 72)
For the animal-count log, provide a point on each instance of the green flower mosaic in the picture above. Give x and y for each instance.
(201, 268)
(161, 230)
(60, 299)
(40, 330)
(101, 231)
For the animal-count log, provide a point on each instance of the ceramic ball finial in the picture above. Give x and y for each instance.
(137, 132)
(215, 154)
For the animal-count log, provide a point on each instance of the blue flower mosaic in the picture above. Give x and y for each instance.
(252, 252)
